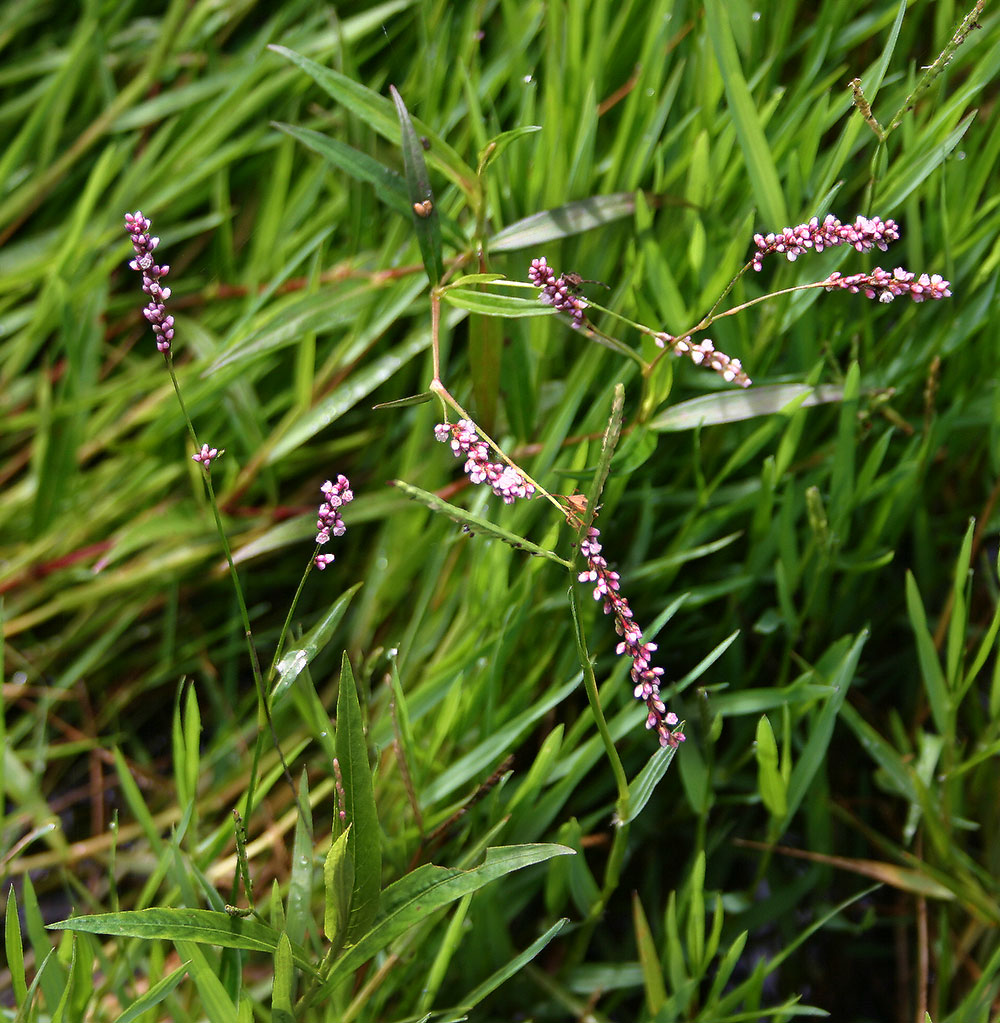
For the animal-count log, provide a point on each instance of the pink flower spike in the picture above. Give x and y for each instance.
(558, 292)
(328, 521)
(645, 679)
(864, 234)
(507, 483)
(143, 244)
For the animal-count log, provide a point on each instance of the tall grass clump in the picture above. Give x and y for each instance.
(677, 697)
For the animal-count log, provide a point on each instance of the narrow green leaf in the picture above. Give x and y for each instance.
(496, 305)
(898, 186)
(958, 626)
(62, 1011)
(414, 399)
(814, 753)
(474, 997)
(563, 221)
(649, 960)
(475, 524)
(609, 442)
(935, 684)
(204, 926)
(737, 405)
(695, 898)
(215, 999)
(283, 985)
(448, 946)
(297, 658)
(466, 279)
(422, 892)
(14, 950)
(192, 744)
(358, 385)
(377, 111)
(154, 995)
(365, 837)
(644, 783)
(753, 142)
(338, 885)
(389, 185)
(499, 143)
(300, 881)
(55, 980)
(423, 212)
(773, 791)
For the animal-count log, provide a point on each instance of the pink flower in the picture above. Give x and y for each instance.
(207, 455)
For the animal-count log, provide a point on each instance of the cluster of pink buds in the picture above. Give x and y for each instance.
(156, 311)
(329, 523)
(507, 482)
(645, 678)
(557, 292)
(886, 286)
(706, 354)
(208, 455)
(863, 234)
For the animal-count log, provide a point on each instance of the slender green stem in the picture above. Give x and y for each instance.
(263, 709)
(594, 699)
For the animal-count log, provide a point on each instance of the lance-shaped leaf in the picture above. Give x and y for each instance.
(364, 842)
(296, 659)
(418, 185)
(563, 221)
(338, 886)
(422, 892)
(197, 926)
(475, 524)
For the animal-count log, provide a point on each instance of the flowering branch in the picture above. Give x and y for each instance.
(645, 678)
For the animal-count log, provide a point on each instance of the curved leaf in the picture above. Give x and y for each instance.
(563, 221)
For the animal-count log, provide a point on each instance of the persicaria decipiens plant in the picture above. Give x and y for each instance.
(561, 291)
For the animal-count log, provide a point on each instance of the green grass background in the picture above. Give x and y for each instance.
(818, 566)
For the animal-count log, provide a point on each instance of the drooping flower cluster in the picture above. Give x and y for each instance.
(507, 482)
(864, 234)
(645, 678)
(706, 354)
(156, 311)
(207, 455)
(557, 292)
(329, 523)
(886, 286)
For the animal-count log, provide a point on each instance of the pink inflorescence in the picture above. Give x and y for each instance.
(208, 455)
(556, 291)
(706, 354)
(645, 678)
(886, 286)
(507, 482)
(329, 523)
(864, 234)
(156, 311)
